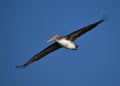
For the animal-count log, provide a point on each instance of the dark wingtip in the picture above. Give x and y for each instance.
(21, 67)
(104, 18)
(25, 65)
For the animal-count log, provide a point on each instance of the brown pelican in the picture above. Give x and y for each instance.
(65, 41)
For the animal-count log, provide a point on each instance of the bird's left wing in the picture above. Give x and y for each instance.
(41, 54)
(72, 36)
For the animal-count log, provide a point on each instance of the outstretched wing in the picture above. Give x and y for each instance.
(41, 54)
(72, 36)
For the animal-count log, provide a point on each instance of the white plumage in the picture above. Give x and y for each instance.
(66, 43)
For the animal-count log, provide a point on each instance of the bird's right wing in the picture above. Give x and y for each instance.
(41, 54)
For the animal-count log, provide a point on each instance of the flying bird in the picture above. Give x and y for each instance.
(66, 41)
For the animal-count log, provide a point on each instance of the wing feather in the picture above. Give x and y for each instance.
(72, 36)
(41, 54)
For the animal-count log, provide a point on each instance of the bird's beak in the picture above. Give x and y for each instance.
(51, 39)
(54, 37)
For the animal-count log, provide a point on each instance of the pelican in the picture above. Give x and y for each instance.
(62, 42)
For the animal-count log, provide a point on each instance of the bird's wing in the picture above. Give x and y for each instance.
(41, 54)
(72, 36)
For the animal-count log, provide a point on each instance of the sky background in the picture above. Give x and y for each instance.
(26, 25)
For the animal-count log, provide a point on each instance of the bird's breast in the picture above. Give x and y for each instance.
(67, 44)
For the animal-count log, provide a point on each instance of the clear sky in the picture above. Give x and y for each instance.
(26, 25)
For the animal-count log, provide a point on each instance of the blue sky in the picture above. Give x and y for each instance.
(26, 25)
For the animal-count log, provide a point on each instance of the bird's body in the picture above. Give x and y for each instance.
(67, 44)
(65, 41)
